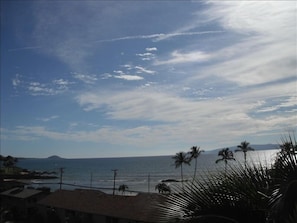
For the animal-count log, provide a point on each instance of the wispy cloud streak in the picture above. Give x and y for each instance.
(157, 37)
(24, 48)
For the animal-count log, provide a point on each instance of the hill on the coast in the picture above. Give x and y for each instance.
(55, 157)
(213, 151)
(256, 147)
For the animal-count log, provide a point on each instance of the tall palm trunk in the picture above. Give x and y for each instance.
(226, 163)
(181, 173)
(195, 171)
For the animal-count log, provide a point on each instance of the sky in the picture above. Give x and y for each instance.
(83, 79)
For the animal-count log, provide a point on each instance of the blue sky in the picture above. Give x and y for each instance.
(129, 78)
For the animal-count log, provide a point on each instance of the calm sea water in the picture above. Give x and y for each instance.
(138, 173)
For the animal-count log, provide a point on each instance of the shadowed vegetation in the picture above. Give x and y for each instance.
(123, 188)
(245, 193)
(163, 188)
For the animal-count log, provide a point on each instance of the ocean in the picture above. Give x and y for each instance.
(140, 174)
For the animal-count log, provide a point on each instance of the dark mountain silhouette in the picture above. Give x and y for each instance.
(55, 157)
(256, 147)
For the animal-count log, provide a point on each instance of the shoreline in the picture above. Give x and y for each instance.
(26, 177)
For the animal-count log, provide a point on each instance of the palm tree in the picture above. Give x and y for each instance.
(244, 147)
(180, 159)
(123, 188)
(226, 155)
(255, 193)
(284, 172)
(194, 154)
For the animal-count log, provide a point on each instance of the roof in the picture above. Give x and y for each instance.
(141, 207)
(21, 193)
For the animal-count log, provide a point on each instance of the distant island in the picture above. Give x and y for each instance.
(257, 147)
(55, 157)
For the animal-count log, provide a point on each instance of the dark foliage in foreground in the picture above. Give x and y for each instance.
(246, 193)
(283, 200)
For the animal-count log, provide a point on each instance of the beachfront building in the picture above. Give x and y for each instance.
(20, 203)
(91, 206)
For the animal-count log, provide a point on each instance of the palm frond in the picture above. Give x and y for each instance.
(239, 193)
(284, 176)
(245, 193)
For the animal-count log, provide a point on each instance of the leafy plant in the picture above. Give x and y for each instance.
(283, 200)
(239, 194)
(123, 188)
(163, 188)
(245, 193)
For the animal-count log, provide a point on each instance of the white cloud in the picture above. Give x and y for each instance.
(122, 75)
(143, 70)
(157, 36)
(61, 84)
(254, 62)
(74, 46)
(53, 31)
(47, 119)
(147, 56)
(149, 49)
(24, 48)
(36, 89)
(120, 72)
(136, 69)
(73, 124)
(15, 134)
(168, 107)
(251, 17)
(39, 131)
(16, 81)
(127, 66)
(151, 36)
(106, 76)
(179, 58)
(144, 54)
(266, 51)
(174, 120)
(262, 51)
(288, 103)
(129, 77)
(54, 87)
(86, 78)
(177, 34)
